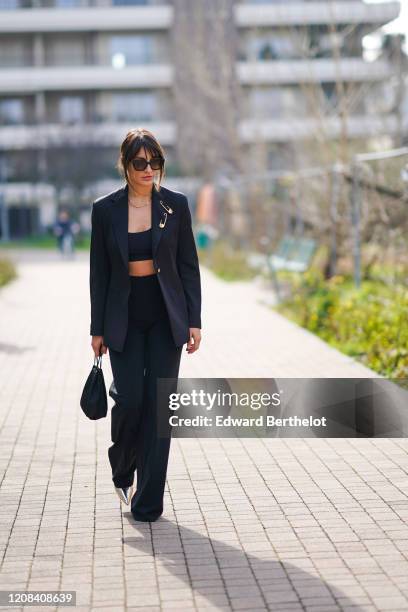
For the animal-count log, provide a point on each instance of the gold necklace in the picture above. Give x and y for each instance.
(142, 206)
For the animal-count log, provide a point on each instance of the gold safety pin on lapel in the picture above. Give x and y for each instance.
(162, 224)
(169, 210)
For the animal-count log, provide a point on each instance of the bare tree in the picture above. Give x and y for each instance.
(206, 91)
(210, 103)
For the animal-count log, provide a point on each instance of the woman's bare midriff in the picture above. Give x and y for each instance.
(141, 268)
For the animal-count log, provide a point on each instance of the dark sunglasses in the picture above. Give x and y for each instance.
(140, 163)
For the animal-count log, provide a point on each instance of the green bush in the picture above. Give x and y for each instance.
(369, 323)
(7, 271)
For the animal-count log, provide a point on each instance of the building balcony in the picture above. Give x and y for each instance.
(31, 80)
(313, 71)
(86, 19)
(19, 137)
(314, 13)
(285, 130)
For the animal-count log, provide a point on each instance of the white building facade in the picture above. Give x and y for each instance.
(76, 75)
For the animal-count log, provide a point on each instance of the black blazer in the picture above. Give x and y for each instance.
(174, 258)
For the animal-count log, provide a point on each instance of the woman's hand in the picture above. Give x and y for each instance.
(98, 346)
(195, 334)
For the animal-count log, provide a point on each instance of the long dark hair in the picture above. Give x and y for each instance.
(133, 142)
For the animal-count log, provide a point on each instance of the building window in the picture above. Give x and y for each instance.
(9, 4)
(265, 102)
(68, 3)
(71, 109)
(276, 102)
(131, 50)
(5, 168)
(65, 51)
(267, 52)
(274, 46)
(15, 53)
(130, 2)
(134, 106)
(11, 111)
(270, 1)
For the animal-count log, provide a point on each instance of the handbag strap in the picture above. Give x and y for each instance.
(98, 361)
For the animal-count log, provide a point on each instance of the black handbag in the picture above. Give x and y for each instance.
(94, 401)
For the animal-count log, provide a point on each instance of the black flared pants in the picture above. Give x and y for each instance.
(149, 353)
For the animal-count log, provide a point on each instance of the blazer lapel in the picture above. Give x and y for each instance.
(157, 216)
(120, 221)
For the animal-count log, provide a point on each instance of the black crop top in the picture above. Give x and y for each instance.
(140, 245)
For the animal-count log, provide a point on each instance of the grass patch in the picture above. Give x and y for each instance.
(7, 271)
(44, 242)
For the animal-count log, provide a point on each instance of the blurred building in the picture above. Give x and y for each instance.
(392, 95)
(75, 75)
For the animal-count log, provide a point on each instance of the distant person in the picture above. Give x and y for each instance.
(65, 230)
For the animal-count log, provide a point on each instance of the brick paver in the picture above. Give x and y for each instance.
(249, 524)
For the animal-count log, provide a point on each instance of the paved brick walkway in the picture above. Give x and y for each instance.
(249, 524)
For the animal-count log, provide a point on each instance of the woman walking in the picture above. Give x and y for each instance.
(145, 294)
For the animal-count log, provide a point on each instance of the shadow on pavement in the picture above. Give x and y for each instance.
(272, 584)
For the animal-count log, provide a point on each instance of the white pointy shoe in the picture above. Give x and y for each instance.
(124, 494)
